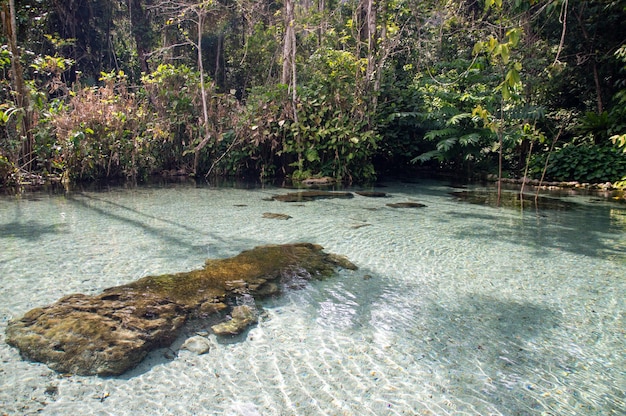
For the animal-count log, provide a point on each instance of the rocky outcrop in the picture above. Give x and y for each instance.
(109, 333)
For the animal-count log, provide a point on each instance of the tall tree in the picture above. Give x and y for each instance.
(26, 157)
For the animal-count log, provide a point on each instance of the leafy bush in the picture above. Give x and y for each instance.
(8, 173)
(583, 163)
(102, 133)
(174, 94)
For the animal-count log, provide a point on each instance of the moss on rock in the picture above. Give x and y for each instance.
(109, 333)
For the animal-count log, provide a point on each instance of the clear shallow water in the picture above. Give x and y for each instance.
(456, 308)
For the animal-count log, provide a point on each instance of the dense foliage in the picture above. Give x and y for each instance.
(95, 89)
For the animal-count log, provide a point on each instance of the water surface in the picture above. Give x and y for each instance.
(456, 308)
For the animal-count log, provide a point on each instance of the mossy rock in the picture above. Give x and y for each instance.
(310, 196)
(372, 194)
(406, 205)
(276, 216)
(109, 333)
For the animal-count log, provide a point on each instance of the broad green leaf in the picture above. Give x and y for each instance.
(468, 139)
(425, 157)
(506, 92)
(514, 36)
(478, 48)
(504, 53)
(456, 119)
(434, 134)
(512, 78)
(446, 144)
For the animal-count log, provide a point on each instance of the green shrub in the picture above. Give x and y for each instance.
(587, 163)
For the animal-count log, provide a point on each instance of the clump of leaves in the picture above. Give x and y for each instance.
(585, 162)
(101, 133)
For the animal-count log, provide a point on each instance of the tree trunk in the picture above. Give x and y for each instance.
(25, 158)
(288, 43)
(289, 54)
(142, 32)
(205, 106)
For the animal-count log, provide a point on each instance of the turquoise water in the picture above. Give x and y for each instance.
(456, 308)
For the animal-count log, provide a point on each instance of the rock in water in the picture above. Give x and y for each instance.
(242, 317)
(197, 344)
(109, 333)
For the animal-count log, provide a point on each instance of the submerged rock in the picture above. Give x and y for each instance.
(406, 205)
(241, 317)
(276, 216)
(372, 194)
(197, 344)
(310, 196)
(109, 333)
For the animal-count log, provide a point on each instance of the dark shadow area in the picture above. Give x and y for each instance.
(513, 200)
(565, 226)
(144, 227)
(504, 321)
(483, 341)
(31, 231)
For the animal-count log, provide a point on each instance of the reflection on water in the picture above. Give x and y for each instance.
(456, 308)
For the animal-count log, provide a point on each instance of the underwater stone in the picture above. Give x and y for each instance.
(372, 194)
(197, 344)
(276, 216)
(406, 205)
(242, 317)
(109, 333)
(310, 196)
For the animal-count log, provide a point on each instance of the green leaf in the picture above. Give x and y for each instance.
(434, 134)
(456, 119)
(512, 78)
(506, 92)
(504, 53)
(514, 36)
(425, 157)
(472, 138)
(312, 155)
(446, 144)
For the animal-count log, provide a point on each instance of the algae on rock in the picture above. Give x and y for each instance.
(109, 333)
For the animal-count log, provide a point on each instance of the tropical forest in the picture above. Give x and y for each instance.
(351, 90)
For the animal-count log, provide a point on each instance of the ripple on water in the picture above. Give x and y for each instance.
(456, 308)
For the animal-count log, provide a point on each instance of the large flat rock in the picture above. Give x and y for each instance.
(109, 333)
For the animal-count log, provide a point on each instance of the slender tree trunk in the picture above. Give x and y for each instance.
(591, 55)
(289, 54)
(205, 106)
(288, 51)
(371, 41)
(321, 6)
(25, 158)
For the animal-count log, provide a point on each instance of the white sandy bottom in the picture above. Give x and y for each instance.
(455, 309)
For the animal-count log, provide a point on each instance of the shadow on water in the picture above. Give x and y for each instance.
(553, 224)
(513, 200)
(489, 347)
(30, 231)
(163, 235)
